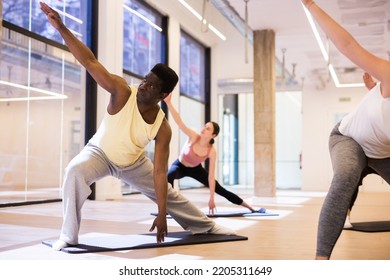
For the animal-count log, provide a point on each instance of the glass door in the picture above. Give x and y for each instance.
(236, 150)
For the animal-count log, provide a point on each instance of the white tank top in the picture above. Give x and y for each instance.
(123, 136)
(369, 124)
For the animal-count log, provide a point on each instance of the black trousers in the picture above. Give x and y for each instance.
(178, 171)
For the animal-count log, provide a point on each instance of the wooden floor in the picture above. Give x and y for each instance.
(289, 236)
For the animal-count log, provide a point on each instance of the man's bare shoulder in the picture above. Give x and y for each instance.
(165, 132)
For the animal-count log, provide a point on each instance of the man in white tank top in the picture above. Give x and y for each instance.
(133, 119)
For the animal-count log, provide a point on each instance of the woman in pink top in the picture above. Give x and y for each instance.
(198, 148)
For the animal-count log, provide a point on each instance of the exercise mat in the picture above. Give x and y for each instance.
(241, 214)
(232, 214)
(104, 243)
(377, 226)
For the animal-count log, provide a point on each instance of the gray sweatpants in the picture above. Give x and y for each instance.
(348, 161)
(91, 164)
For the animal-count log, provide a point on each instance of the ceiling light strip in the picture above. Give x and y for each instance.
(199, 17)
(316, 34)
(192, 10)
(217, 32)
(326, 55)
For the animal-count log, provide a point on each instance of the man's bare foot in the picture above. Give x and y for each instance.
(59, 244)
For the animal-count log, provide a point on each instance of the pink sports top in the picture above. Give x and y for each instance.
(189, 156)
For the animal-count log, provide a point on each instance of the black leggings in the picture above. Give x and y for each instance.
(178, 171)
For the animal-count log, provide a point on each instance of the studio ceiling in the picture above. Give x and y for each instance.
(367, 20)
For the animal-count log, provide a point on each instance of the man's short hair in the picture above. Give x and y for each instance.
(167, 76)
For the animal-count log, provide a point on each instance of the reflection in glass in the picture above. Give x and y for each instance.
(236, 145)
(28, 15)
(230, 140)
(143, 44)
(143, 47)
(40, 116)
(192, 68)
(194, 119)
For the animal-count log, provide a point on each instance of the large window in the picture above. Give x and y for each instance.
(193, 71)
(144, 45)
(27, 14)
(192, 68)
(143, 38)
(41, 102)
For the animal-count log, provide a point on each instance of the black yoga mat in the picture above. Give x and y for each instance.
(377, 226)
(106, 243)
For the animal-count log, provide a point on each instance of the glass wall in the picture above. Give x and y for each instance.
(230, 141)
(144, 45)
(27, 15)
(195, 119)
(41, 103)
(236, 156)
(193, 68)
(143, 38)
(288, 121)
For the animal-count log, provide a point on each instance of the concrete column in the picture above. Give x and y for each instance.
(264, 79)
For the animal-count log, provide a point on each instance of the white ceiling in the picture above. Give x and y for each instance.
(367, 20)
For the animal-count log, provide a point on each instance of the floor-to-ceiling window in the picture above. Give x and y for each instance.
(41, 100)
(144, 38)
(144, 45)
(194, 91)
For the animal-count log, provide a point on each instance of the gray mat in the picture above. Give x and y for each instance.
(142, 241)
(378, 226)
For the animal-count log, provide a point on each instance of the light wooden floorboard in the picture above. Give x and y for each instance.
(290, 236)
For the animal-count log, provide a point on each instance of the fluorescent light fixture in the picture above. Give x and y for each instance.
(143, 18)
(217, 32)
(199, 17)
(325, 53)
(336, 80)
(49, 95)
(316, 34)
(195, 13)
